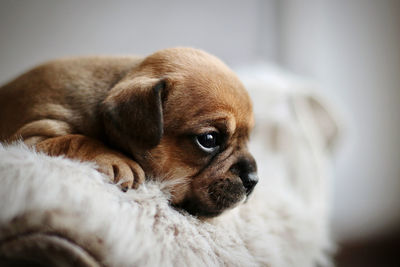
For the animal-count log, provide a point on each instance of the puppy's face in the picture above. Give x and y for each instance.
(196, 131)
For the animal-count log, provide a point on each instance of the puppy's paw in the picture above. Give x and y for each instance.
(121, 170)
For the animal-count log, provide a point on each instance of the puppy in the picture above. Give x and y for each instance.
(179, 114)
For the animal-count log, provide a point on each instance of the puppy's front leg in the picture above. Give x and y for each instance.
(118, 167)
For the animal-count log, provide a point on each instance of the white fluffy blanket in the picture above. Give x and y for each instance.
(61, 212)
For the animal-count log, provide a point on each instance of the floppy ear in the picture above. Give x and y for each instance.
(132, 113)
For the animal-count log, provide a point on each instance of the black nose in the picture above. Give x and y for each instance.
(249, 181)
(246, 169)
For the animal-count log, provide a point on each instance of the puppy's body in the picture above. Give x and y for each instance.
(66, 90)
(179, 114)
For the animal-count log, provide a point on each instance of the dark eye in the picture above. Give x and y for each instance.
(208, 142)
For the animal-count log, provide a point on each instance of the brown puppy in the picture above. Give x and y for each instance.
(179, 114)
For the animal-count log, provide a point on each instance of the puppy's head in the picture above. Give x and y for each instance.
(185, 117)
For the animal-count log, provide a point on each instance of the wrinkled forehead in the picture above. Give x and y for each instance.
(200, 86)
(202, 98)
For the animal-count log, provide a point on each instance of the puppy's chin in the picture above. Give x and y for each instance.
(221, 195)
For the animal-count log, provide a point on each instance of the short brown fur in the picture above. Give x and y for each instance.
(138, 117)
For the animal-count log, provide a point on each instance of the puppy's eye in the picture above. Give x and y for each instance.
(208, 142)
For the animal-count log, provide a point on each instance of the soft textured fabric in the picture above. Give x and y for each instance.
(62, 212)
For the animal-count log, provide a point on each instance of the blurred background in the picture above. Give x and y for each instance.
(350, 48)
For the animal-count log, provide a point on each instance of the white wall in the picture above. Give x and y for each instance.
(33, 31)
(353, 49)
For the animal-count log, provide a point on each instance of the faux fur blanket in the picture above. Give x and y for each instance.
(57, 212)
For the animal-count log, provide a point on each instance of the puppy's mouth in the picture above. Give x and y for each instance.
(226, 193)
(220, 195)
